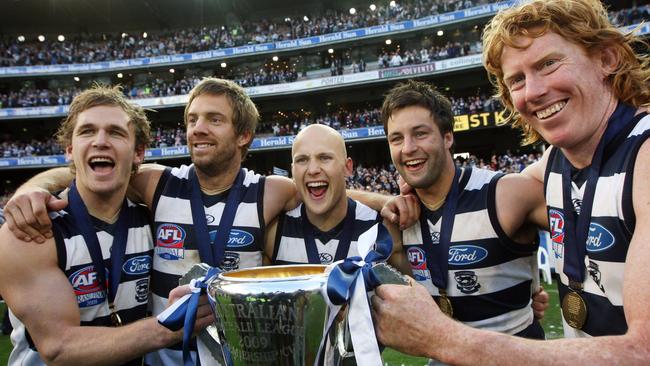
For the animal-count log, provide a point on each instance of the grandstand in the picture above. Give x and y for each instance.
(302, 63)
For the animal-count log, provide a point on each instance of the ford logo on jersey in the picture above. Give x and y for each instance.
(599, 238)
(238, 238)
(462, 255)
(137, 265)
(86, 286)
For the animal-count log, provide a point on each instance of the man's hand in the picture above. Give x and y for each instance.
(403, 210)
(26, 214)
(405, 318)
(540, 303)
(204, 316)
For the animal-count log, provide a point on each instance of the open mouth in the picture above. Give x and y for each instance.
(414, 164)
(551, 110)
(203, 145)
(317, 189)
(101, 164)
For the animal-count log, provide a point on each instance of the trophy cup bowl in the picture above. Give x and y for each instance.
(270, 315)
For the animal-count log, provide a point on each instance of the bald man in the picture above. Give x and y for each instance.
(326, 227)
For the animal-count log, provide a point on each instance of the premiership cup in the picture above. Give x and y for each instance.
(276, 316)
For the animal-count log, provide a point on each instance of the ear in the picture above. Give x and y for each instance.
(609, 60)
(448, 139)
(348, 167)
(244, 138)
(139, 155)
(68, 152)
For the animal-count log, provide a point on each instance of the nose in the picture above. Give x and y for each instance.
(100, 139)
(535, 88)
(200, 127)
(313, 167)
(409, 145)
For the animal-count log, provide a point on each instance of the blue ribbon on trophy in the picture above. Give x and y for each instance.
(182, 313)
(348, 283)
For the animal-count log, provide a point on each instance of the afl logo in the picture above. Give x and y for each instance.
(556, 223)
(87, 288)
(85, 281)
(599, 238)
(417, 258)
(170, 236)
(462, 255)
(137, 265)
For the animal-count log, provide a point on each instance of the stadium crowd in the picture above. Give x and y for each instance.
(86, 48)
(12, 146)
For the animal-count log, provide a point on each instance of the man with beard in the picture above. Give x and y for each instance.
(66, 311)
(194, 207)
(566, 75)
(327, 226)
(474, 247)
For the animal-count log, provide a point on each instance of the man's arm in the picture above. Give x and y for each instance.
(27, 210)
(39, 294)
(432, 334)
(402, 210)
(269, 242)
(397, 257)
(521, 206)
(280, 194)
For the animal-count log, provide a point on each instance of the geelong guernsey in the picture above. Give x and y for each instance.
(610, 230)
(490, 277)
(176, 249)
(74, 260)
(290, 246)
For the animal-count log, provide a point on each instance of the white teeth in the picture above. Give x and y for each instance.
(550, 110)
(316, 184)
(202, 145)
(414, 162)
(101, 160)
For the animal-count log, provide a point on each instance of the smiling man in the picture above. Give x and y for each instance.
(65, 309)
(326, 227)
(569, 77)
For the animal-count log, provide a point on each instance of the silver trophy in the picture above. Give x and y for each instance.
(277, 315)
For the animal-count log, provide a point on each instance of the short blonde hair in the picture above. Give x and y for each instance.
(582, 22)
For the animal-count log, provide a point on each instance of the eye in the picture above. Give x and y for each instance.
(395, 139)
(516, 82)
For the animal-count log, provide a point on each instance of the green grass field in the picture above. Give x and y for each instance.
(552, 325)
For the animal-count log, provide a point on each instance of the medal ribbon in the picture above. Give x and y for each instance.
(439, 253)
(344, 242)
(212, 251)
(348, 283)
(182, 313)
(80, 214)
(577, 226)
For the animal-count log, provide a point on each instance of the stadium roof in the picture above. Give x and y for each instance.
(66, 16)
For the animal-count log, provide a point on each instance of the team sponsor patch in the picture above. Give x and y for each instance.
(435, 237)
(87, 287)
(230, 261)
(325, 258)
(599, 238)
(467, 282)
(237, 239)
(556, 223)
(142, 290)
(418, 260)
(209, 219)
(137, 265)
(170, 239)
(462, 255)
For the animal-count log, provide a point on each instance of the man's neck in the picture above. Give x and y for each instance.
(581, 154)
(103, 207)
(434, 196)
(329, 220)
(221, 182)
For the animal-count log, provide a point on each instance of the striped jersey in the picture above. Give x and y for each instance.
(176, 250)
(74, 260)
(290, 246)
(610, 229)
(491, 278)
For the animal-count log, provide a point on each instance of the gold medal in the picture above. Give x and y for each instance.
(116, 320)
(445, 304)
(574, 309)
